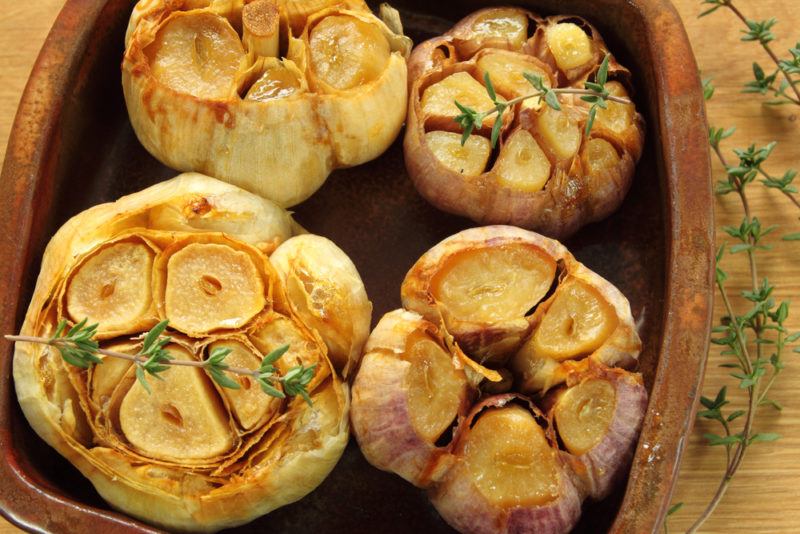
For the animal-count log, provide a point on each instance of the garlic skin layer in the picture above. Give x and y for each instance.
(191, 455)
(274, 111)
(503, 385)
(544, 175)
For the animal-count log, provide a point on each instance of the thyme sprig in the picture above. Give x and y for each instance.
(78, 347)
(594, 93)
(760, 31)
(757, 339)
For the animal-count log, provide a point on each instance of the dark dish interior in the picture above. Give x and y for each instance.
(375, 215)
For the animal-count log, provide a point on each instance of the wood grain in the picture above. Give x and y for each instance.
(763, 495)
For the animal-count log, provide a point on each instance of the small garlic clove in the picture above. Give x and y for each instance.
(598, 419)
(508, 477)
(522, 164)
(181, 418)
(469, 159)
(112, 286)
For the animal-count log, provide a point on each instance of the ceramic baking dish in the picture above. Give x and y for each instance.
(72, 146)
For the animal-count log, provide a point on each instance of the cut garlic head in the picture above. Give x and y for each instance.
(544, 174)
(197, 448)
(503, 356)
(268, 95)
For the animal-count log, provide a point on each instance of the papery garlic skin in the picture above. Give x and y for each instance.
(328, 294)
(381, 411)
(567, 188)
(188, 456)
(282, 148)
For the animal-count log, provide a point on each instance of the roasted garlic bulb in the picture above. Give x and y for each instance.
(501, 387)
(269, 95)
(221, 265)
(545, 174)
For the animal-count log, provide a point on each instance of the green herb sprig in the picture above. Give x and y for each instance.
(757, 339)
(594, 93)
(760, 31)
(79, 347)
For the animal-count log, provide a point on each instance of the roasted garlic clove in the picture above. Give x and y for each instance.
(250, 406)
(438, 101)
(326, 292)
(169, 441)
(508, 476)
(570, 46)
(506, 70)
(407, 393)
(206, 89)
(552, 185)
(197, 53)
(280, 79)
(179, 419)
(483, 283)
(598, 417)
(585, 318)
(210, 286)
(522, 163)
(113, 283)
(503, 28)
(468, 159)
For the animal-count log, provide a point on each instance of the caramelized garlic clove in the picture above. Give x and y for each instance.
(616, 117)
(346, 52)
(492, 284)
(406, 394)
(438, 102)
(506, 70)
(576, 323)
(249, 404)
(598, 419)
(106, 377)
(182, 418)
(483, 283)
(522, 164)
(328, 295)
(570, 46)
(599, 158)
(195, 203)
(211, 286)
(505, 28)
(508, 477)
(280, 79)
(558, 134)
(197, 53)
(469, 159)
(113, 287)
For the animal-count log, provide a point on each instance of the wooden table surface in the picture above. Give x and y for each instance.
(764, 495)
